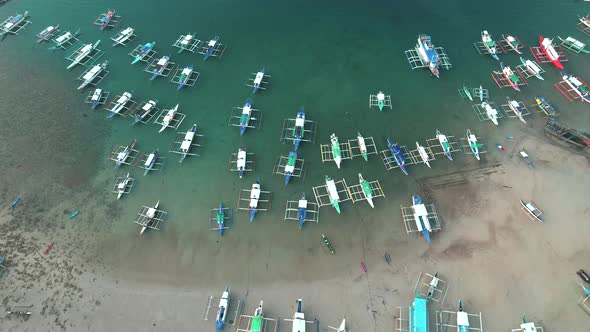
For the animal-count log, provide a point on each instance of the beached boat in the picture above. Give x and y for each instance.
(545, 106)
(467, 92)
(246, 116)
(513, 43)
(92, 74)
(579, 87)
(123, 155)
(241, 161)
(120, 104)
(423, 154)
(510, 76)
(299, 129)
(381, 100)
(123, 36)
(336, 152)
(462, 319)
(516, 108)
(421, 217)
(473, 145)
(428, 54)
(13, 23)
(187, 142)
(168, 118)
(96, 97)
(145, 50)
(342, 326)
(185, 76)
(220, 218)
(398, 155)
(254, 197)
(491, 112)
(43, 35)
(222, 311)
(122, 186)
(574, 44)
(145, 110)
(302, 210)
(567, 136)
(290, 167)
(257, 81)
(299, 318)
(104, 21)
(444, 144)
(160, 67)
(211, 47)
(531, 210)
(547, 48)
(327, 243)
(83, 53)
(532, 67)
(63, 39)
(257, 320)
(185, 42)
(367, 191)
(150, 214)
(362, 146)
(150, 161)
(332, 193)
(489, 44)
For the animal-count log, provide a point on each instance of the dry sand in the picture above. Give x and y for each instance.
(494, 258)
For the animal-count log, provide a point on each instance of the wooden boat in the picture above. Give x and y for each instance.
(567, 136)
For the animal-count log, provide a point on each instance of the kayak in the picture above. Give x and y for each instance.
(74, 214)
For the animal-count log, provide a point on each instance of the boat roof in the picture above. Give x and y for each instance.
(462, 318)
(419, 315)
(420, 209)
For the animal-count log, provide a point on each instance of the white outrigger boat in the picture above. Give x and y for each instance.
(491, 112)
(473, 145)
(462, 319)
(381, 100)
(532, 67)
(96, 97)
(299, 318)
(515, 107)
(254, 197)
(168, 118)
(83, 53)
(123, 155)
(367, 191)
(123, 36)
(421, 217)
(580, 88)
(47, 33)
(120, 104)
(63, 40)
(444, 144)
(150, 161)
(241, 161)
(150, 214)
(92, 74)
(336, 152)
(145, 110)
(423, 154)
(122, 186)
(257, 81)
(489, 44)
(333, 193)
(187, 142)
(222, 311)
(13, 22)
(362, 146)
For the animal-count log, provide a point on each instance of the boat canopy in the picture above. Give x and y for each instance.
(419, 315)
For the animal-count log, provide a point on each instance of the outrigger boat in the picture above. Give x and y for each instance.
(254, 196)
(168, 118)
(211, 47)
(223, 304)
(96, 96)
(92, 74)
(241, 161)
(532, 211)
(328, 243)
(516, 108)
(585, 20)
(290, 167)
(336, 152)
(381, 100)
(547, 48)
(513, 43)
(150, 161)
(83, 53)
(123, 155)
(257, 320)
(444, 144)
(150, 214)
(473, 145)
(123, 36)
(580, 88)
(367, 191)
(185, 75)
(545, 106)
(467, 92)
(43, 35)
(512, 78)
(120, 104)
(12, 23)
(257, 81)
(532, 67)
(491, 112)
(423, 154)
(64, 39)
(574, 44)
(145, 111)
(362, 146)
(104, 22)
(160, 67)
(427, 54)
(398, 155)
(333, 193)
(462, 319)
(302, 210)
(185, 42)
(145, 50)
(341, 328)
(122, 186)
(489, 44)
(480, 95)
(299, 129)
(246, 115)
(421, 217)
(220, 217)
(299, 318)
(185, 146)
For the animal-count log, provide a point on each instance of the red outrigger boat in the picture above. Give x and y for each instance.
(546, 46)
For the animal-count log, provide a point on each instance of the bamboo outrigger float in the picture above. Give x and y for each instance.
(259, 81)
(362, 147)
(242, 161)
(335, 151)
(257, 322)
(464, 321)
(258, 200)
(303, 211)
(380, 100)
(93, 75)
(299, 129)
(187, 42)
(219, 218)
(150, 217)
(331, 193)
(65, 40)
(289, 166)
(365, 190)
(14, 24)
(123, 185)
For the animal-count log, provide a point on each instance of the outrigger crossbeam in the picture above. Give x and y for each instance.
(389, 160)
(322, 196)
(191, 46)
(192, 80)
(228, 216)
(121, 179)
(91, 58)
(174, 123)
(113, 21)
(180, 139)
(481, 114)
(103, 73)
(14, 29)
(355, 150)
(217, 48)
(445, 319)
(310, 128)
(510, 112)
(312, 212)
(137, 51)
(255, 120)
(357, 194)
(374, 101)
(250, 162)
(121, 148)
(410, 222)
(154, 222)
(128, 108)
(503, 82)
(103, 98)
(279, 168)
(431, 287)
(567, 91)
(541, 57)
(264, 201)
(153, 66)
(416, 61)
(326, 151)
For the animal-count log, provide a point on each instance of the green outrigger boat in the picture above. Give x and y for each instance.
(333, 193)
(574, 45)
(367, 191)
(362, 146)
(336, 152)
(257, 320)
(467, 92)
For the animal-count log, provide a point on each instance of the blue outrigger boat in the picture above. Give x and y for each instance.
(298, 130)
(254, 196)
(398, 155)
(222, 312)
(211, 47)
(246, 116)
(160, 67)
(257, 81)
(290, 167)
(421, 217)
(302, 210)
(220, 216)
(145, 50)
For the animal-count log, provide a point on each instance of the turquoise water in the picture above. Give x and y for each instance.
(326, 56)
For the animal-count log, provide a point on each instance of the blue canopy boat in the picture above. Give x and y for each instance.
(143, 52)
(398, 155)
